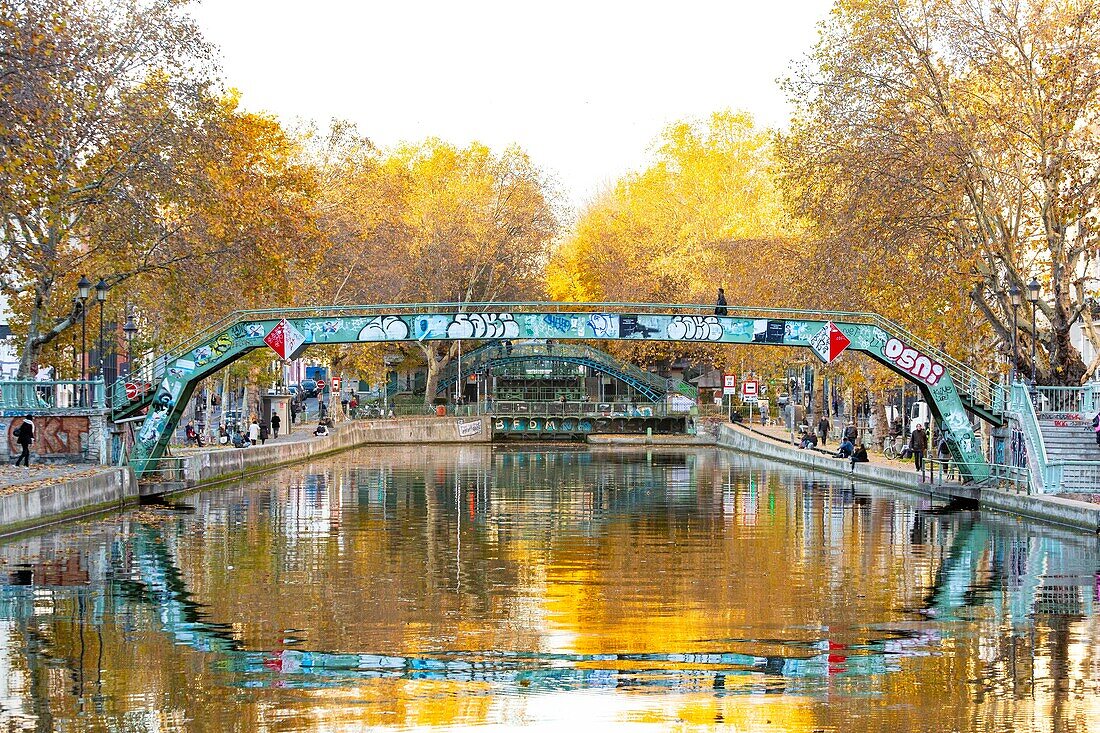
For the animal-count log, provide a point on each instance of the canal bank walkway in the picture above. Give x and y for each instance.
(894, 474)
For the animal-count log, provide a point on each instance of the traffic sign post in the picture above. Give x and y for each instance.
(729, 389)
(321, 386)
(750, 390)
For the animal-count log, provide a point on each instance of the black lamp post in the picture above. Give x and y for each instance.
(129, 330)
(101, 296)
(1014, 296)
(1033, 298)
(84, 287)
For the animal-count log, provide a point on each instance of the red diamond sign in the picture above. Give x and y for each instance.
(829, 342)
(284, 339)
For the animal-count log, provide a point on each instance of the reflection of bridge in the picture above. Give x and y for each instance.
(950, 387)
(1001, 567)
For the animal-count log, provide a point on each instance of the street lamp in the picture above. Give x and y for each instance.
(1014, 296)
(84, 287)
(1033, 298)
(129, 330)
(101, 296)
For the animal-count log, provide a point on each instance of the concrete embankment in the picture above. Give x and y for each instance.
(1053, 509)
(220, 465)
(652, 440)
(114, 488)
(42, 505)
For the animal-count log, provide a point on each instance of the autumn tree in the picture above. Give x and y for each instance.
(433, 223)
(948, 149)
(706, 213)
(103, 112)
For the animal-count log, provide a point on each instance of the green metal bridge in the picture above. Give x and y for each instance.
(165, 384)
(496, 353)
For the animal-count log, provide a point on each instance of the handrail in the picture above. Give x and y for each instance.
(1038, 460)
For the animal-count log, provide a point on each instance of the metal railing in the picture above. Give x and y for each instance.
(1073, 477)
(1023, 410)
(1004, 477)
(1080, 400)
(600, 409)
(55, 395)
(165, 468)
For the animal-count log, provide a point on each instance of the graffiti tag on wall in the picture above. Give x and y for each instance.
(384, 328)
(53, 436)
(913, 362)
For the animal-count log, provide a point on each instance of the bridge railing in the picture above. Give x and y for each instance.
(1083, 400)
(50, 395)
(1023, 410)
(575, 409)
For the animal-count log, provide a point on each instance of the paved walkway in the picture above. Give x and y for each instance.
(18, 478)
(781, 434)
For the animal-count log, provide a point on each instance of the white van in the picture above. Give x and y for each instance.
(919, 414)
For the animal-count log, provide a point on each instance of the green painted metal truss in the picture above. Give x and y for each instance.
(166, 383)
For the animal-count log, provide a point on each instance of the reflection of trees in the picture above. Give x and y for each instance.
(565, 570)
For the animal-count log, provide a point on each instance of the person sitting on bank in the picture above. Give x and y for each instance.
(847, 448)
(809, 440)
(322, 429)
(859, 455)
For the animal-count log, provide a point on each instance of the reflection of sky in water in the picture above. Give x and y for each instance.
(408, 587)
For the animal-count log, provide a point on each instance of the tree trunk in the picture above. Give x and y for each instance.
(438, 357)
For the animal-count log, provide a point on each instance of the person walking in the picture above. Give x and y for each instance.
(276, 421)
(24, 436)
(253, 432)
(265, 433)
(720, 309)
(918, 441)
(823, 429)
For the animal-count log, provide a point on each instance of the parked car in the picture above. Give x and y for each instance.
(309, 387)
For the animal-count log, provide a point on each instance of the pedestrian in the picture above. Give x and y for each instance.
(253, 431)
(321, 409)
(293, 412)
(859, 455)
(918, 441)
(276, 421)
(720, 309)
(24, 436)
(846, 448)
(851, 433)
(265, 433)
(823, 429)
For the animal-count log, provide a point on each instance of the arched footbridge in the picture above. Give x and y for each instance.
(501, 353)
(951, 388)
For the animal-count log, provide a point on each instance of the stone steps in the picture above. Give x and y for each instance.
(1073, 443)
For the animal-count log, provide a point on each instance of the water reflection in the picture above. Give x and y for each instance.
(453, 586)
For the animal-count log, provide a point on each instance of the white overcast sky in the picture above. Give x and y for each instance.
(584, 87)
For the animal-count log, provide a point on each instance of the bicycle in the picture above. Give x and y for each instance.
(894, 447)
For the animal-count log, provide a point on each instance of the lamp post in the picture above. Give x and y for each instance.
(1033, 298)
(84, 287)
(100, 296)
(1014, 296)
(129, 330)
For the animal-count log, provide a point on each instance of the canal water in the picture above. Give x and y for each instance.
(445, 587)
